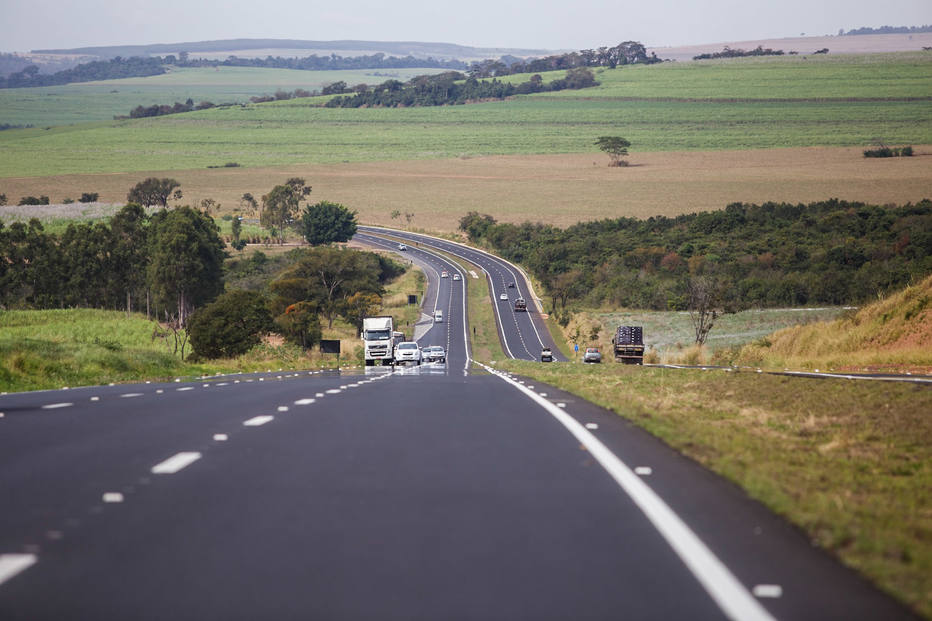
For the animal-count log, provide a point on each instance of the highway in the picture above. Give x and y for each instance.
(523, 335)
(431, 492)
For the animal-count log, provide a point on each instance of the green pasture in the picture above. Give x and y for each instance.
(900, 75)
(292, 132)
(101, 101)
(668, 107)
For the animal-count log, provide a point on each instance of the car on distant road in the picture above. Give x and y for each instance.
(592, 355)
(407, 351)
(503, 297)
(456, 276)
(444, 274)
(511, 285)
(434, 353)
(546, 355)
(402, 247)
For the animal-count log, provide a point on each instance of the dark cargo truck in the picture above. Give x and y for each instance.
(628, 344)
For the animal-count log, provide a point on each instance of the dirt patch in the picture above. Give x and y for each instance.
(558, 189)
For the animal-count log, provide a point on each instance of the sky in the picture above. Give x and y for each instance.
(537, 24)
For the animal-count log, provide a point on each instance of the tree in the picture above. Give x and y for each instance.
(185, 261)
(231, 325)
(327, 276)
(616, 147)
(2, 199)
(153, 191)
(248, 203)
(280, 206)
(300, 323)
(704, 303)
(327, 222)
(129, 233)
(360, 305)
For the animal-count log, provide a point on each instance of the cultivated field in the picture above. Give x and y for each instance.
(101, 101)
(560, 189)
(747, 104)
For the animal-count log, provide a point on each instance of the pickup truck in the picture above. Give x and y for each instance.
(546, 355)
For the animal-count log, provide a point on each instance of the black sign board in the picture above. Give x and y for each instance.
(412, 299)
(328, 346)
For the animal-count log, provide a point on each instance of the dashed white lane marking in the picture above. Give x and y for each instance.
(256, 421)
(130, 395)
(176, 462)
(304, 401)
(12, 564)
(184, 388)
(561, 405)
(283, 408)
(542, 394)
(223, 384)
(768, 590)
(221, 437)
(159, 391)
(644, 471)
(588, 425)
(55, 406)
(95, 398)
(334, 391)
(319, 395)
(113, 497)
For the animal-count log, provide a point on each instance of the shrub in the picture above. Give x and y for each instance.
(230, 326)
(89, 197)
(67, 201)
(32, 200)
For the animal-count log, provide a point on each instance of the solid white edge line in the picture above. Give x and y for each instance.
(176, 462)
(12, 564)
(730, 595)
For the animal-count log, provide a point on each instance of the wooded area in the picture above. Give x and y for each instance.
(775, 254)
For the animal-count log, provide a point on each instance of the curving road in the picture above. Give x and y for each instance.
(431, 492)
(523, 335)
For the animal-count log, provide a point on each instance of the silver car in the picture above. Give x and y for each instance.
(592, 355)
(434, 353)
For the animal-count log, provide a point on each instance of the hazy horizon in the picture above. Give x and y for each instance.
(54, 24)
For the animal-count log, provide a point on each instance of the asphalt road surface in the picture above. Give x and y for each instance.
(431, 492)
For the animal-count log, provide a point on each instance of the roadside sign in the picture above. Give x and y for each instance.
(576, 347)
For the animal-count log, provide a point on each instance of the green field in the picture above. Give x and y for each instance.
(823, 105)
(101, 101)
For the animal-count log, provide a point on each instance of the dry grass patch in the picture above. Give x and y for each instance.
(557, 189)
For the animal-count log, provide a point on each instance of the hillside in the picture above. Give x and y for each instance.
(894, 333)
(247, 48)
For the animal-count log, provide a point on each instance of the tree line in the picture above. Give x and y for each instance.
(625, 53)
(313, 62)
(453, 88)
(728, 52)
(769, 255)
(887, 30)
(114, 69)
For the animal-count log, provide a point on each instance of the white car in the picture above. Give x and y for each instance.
(402, 247)
(503, 297)
(435, 353)
(444, 274)
(456, 276)
(407, 351)
(438, 316)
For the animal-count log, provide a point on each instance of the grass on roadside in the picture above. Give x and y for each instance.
(850, 463)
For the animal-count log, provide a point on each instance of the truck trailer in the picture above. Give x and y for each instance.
(628, 344)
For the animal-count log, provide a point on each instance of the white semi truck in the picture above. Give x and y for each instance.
(379, 339)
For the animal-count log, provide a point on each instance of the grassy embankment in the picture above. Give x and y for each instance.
(849, 462)
(78, 347)
(746, 104)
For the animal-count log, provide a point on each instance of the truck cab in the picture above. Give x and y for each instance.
(520, 305)
(378, 340)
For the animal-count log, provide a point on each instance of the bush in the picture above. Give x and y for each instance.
(230, 326)
(32, 200)
(889, 152)
(89, 197)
